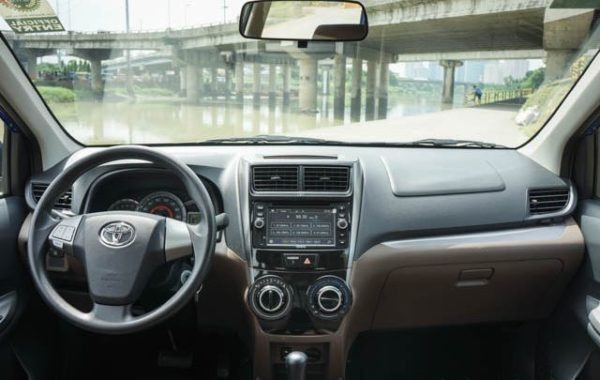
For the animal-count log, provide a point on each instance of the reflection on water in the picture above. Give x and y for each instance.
(176, 122)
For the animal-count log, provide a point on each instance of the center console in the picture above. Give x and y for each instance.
(301, 218)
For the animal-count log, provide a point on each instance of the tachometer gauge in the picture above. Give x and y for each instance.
(165, 204)
(126, 204)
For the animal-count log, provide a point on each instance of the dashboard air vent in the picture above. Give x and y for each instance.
(275, 178)
(545, 201)
(62, 203)
(326, 178)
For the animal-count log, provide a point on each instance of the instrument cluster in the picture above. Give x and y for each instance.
(163, 203)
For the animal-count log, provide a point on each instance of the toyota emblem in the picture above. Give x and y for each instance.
(117, 234)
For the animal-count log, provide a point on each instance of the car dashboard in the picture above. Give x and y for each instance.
(326, 242)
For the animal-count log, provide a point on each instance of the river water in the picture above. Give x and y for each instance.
(168, 121)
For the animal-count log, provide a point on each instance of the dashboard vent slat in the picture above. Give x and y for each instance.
(545, 201)
(275, 178)
(62, 203)
(326, 178)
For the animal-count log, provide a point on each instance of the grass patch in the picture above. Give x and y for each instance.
(546, 100)
(57, 94)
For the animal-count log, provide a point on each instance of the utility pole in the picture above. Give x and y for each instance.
(169, 14)
(129, 83)
(58, 52)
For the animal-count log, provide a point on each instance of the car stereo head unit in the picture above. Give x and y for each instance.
(306, 226)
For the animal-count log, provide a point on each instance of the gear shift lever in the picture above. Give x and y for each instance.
(295, 363)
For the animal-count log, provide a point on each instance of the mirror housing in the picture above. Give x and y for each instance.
(301, 20)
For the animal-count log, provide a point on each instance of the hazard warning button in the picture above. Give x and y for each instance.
(300, 261)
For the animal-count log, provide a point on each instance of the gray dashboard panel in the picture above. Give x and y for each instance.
(428, 176)
(436, 208)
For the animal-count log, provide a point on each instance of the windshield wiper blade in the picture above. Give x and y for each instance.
(271, 139)
(451, 143)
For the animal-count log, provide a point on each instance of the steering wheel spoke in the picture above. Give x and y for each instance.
(178, 241)
(63, 234)
(111, 313)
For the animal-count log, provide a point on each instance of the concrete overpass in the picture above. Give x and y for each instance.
(448, 31)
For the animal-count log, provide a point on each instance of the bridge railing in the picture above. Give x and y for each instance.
(490, 96)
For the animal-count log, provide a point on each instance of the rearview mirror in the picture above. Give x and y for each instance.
(298, 20)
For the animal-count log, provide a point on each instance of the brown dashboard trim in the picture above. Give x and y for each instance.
(408, 284)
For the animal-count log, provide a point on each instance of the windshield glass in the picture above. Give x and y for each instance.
(178, 71)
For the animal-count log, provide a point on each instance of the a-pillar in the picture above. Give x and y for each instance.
(285, 72)
(370, 99)
(382, 90)
(356, 95)
(307, 91)
(339, 96)
(272, 85)
(239, 81)
(448, 84)
(256, 84)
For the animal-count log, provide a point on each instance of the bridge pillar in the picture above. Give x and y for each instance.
(285, 71)
(227, 82)
(339, 96)
(382, 90)
(564, 32)
(272, 84)
(370, 100)
(28, 58)
(200, 82)
(214, 81)
(256, 84)
(191, 82)
(97, 82)
(557, 62)
(307, 91)
(95, 57)
(239, 81)
(356, 95)
(448, 84)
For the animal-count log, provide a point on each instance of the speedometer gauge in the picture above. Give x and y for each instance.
(165, 204)
(125, 204)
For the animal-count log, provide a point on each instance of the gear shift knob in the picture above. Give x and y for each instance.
(295, 364)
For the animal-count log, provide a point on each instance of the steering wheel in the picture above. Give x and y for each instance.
(120, 249)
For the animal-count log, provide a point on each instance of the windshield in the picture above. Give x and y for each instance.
(178, 71)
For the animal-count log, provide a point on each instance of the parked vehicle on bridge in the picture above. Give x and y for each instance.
(326, 190)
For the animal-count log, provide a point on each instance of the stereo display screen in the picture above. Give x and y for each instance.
(301, 226)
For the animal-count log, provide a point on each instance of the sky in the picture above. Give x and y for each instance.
(109, 15)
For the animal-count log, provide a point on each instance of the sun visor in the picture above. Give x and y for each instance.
(30, 16)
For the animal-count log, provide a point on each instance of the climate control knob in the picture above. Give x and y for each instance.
(270, 298)
(329, 298)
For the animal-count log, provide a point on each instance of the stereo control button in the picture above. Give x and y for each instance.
(342, 224)
(259, 223)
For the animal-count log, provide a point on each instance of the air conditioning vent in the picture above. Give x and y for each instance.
(275, 178)
(326, 178)
(545, 201)
(62, 203)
